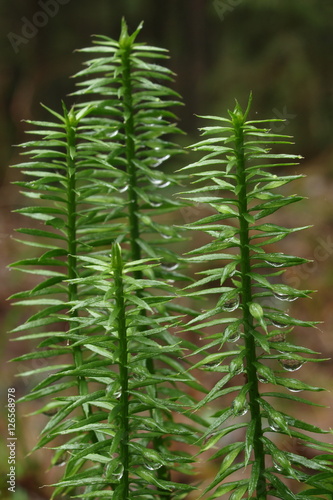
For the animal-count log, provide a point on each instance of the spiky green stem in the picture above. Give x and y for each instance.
(134, 230)
(123, 369)
(133, 207)
(71, 125)
(245, 267)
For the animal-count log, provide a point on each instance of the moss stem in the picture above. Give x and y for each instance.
(245, 267)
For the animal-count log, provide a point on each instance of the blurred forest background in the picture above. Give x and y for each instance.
(220, 50)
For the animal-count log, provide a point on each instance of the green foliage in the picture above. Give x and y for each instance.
(236, 182)
(107, 326)
(128, 415)
(131, 106)
(95, 181)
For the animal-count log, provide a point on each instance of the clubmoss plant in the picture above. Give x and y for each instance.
(253, 345)
(126, 463)
(106, 326)
(95, 181)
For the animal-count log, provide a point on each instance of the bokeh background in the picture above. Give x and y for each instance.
(220, 50)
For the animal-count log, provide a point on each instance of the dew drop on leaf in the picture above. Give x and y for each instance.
(277, 466)
(166, 236)
(118, 473)
(155, 204)
(211, 366)
(50, 412)
(60, 462)
(159, 183)
(160, 161)
(164, 184)
(273, 425)
(239, 412)
(284, 296)
(236, 369)
(278, 338)
(153, 465)
(169, 266)
(231, 305)
(278, 324)
(274, 264)
(234, 336)
(291, 365)
(123, 189)
(262, 379)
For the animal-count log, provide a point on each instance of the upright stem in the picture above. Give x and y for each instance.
(71, 126)
(130, 157)
(250, 346)
(133, 207)
(123, 370)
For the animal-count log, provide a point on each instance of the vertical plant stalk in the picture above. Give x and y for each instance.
(117, 266)
(133, 207)
(245, 267)
(71, 125)
(130, 154)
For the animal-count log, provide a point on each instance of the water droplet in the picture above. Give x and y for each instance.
(262, 379)
(231, 305)
(274, 264)
(118, 473)
(160, 183)
(165, 184)
(210, 366)
(60, 462)
(234, 336)
(236, 370)
(207, 438)
(153, 465)
(278, 324)
(277, 466)
(294, 390)
(155, 203)
(291, 365)
(50, 412)
(273, 425)
(284, 296)
(169, 266)
(123, 189)
(280, 337)
(160, 160)
(239, 412)
(166, 236)
(67, 343)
